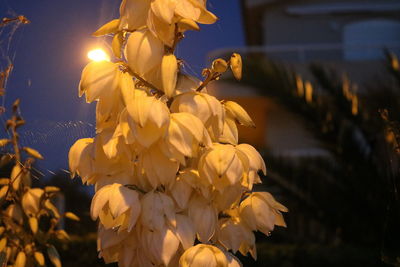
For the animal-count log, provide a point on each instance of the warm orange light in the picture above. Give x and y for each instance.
(98, 55)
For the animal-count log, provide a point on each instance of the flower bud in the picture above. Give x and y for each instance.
(219, 65)
(236, 66)
(169, 74)
(238, 113)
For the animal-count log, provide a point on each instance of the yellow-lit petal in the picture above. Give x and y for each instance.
(164, 9)
(169, 74)
(143, 51)
(134, 13)
(237, 112)
(80, 158)
(109, 27)
(98, 79)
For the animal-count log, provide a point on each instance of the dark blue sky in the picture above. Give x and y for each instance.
(51, 52)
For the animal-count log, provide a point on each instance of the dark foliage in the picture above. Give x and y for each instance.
(348, 198)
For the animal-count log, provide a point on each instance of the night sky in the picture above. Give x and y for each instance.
(51, 52)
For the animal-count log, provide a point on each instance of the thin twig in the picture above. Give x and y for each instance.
(212, 76)
(137, 76)
(20, 18)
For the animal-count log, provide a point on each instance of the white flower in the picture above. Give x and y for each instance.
(223, 165)
(186, 83)
(207, 108)
(181, 191)
(195, 10)
(164, 31)
(157, 209)
(134, 13)
(230, 133)
(144, 52)
(80, 158)
(109, 243)
(200, 185)
(117, 206)
(204, 217)
(164, 9)
(166, 164)
(115, 170)
(260, 211)
(108, 108)
(99, 79)
(228, 198)
(233, 235)
(160, 16)
(185, 230)
(112, 142)
(185, 134)
(203, 255)
(148, 118)
(128, 247)
(159, 245)
(256, 163)
(232, 260)
(158, 168)
(234, 113)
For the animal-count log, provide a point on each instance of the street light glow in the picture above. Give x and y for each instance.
(98, 55)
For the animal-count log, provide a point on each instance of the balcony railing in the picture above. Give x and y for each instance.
(321, 52)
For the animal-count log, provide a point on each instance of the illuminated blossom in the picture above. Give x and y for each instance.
(170, 175)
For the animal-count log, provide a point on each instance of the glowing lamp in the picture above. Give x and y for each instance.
(98, 55)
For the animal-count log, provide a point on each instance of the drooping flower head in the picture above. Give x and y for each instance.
(173, 184)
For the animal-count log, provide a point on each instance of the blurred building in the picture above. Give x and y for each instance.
(352, 36)
(304, 30)
(349, 35)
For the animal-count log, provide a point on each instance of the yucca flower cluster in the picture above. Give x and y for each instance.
(173, 186)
